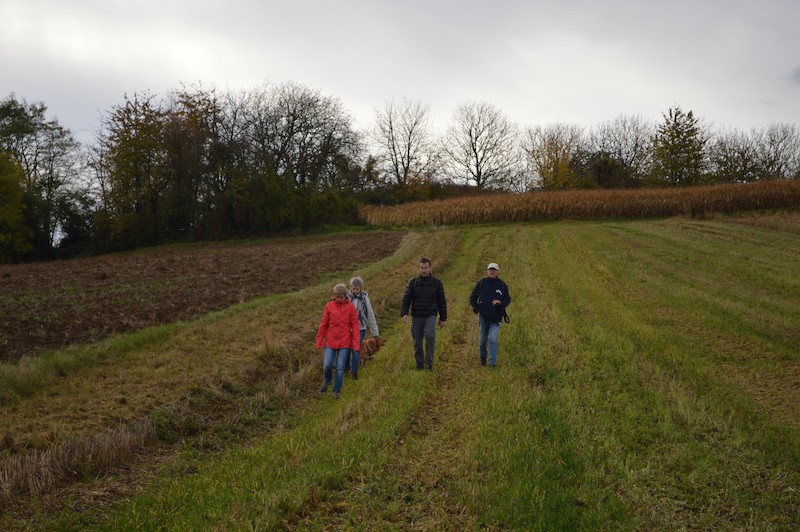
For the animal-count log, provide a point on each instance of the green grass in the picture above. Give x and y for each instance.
(648, 380)
(656, 426)
(33, 374)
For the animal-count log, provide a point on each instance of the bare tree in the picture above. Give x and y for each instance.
(481, 146)
(777, 151)
(550, 151)
(733, 157)
(405, 147)
(49, 157)
(301, 133)
(628, 139)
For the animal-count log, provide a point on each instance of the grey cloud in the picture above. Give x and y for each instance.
(794, 77)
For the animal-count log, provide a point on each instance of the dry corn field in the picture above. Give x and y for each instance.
(591, 204)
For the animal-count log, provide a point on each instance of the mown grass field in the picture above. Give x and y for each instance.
(649, 379)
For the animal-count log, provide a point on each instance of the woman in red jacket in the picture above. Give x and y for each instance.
(338, 333)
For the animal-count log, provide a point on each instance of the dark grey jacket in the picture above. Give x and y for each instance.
(425, 297)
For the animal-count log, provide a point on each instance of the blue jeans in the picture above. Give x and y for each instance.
(488, 336)
(356, 355)
(356, 363)
(333, 356)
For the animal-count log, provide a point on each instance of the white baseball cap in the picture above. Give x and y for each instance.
(493, 266)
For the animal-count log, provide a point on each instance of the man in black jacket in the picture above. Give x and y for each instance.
(489, 300)
(425, 297)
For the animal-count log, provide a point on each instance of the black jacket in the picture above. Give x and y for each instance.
(487, 290)
(425, 297)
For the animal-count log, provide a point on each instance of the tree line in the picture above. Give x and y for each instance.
(200, 164)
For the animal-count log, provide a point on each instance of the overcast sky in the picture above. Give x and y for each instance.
(734, 63)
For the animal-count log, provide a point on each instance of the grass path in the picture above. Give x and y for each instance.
(648, 380)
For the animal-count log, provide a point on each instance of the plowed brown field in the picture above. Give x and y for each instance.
(50, 305)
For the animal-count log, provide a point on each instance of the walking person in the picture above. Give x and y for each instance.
(489, 300)
(424, 298)
(366, 318)
(337, 334)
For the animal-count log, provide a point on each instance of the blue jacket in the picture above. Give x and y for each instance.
(487, 290)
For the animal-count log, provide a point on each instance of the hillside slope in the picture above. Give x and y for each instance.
(649, 379)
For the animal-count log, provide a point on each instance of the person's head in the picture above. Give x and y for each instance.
(493, 270)
(340, 292)
(356, 285)
(424, 266)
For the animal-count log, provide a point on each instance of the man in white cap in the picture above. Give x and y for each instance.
(489, 300)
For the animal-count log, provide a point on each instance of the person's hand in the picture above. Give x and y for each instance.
(441, 324)
(405, 318)
(496, 302)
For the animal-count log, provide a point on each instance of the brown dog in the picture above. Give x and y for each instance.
(369, 347)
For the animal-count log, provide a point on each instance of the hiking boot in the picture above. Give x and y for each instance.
(324, 387)
(355, 375)
(335, 395)
(483, 362)
(429, 368)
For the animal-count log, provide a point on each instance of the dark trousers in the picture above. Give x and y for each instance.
(423, 328)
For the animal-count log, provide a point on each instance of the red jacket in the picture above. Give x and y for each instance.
(339, 326)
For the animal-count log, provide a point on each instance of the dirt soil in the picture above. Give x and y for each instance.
(50, 305)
